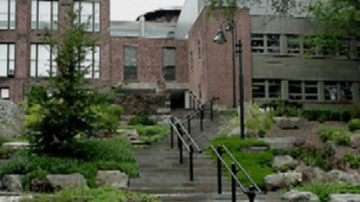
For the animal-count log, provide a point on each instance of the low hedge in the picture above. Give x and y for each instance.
(354, 125)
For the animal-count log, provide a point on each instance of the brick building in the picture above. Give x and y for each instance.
(177, 44)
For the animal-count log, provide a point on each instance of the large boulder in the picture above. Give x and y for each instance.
(295, 195)
(128, 134)
(290, 122)
(13, 183)
(14, 198)
(345, 198)
(74, 181)
(343, 177)
(112, 178)
(16, 145)
(312, 175)
(284, 162)
(279, 142)
(282, 180)
(236, 131)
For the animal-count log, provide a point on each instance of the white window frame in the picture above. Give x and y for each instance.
(10, 59)
(2, 92)
(94, 66)
(34, 57)
(78, 10)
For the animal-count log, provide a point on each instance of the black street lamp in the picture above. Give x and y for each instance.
(221, 39)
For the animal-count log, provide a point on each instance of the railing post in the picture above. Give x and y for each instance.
(219, 150)
(171, 133)
(251, 193)
(201, 117)
(233, 183)
(180, 143)
(189, 123)
(191, 166)
(211, 109)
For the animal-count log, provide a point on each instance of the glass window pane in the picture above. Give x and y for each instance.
(43, 60)
(77, 11)
(86, 17)
(33, 60)
(258, 88)
(11, 59)
(273, 43)
(3, 60)
(274, 88)
(5, 93)
(169, 57)
(55, 15)
(88, 63)
(97, 17)
(130, 56)
(12, 14)
(33, 14)
(346, 91)
(4, 14)
(293, 44)
(331, 91)
(97, 62)
(44, 14)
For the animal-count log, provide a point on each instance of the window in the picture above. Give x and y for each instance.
(346, 91)
(257, 43)
(258, 88)
(191, 61)
(331, 91)
(199, 50)
(7, 14)
(293, 44)
(91, 63)
(42, 61)
(44, 14)
(88, 15)
(131, 62)
(295, 90)
(7, 60)
(338, 91)
(275, 89)
(273, 43)
(344, 47)
(169, 61)
(4, 93)
(311, 90)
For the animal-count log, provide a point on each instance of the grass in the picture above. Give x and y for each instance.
(103, 194)
(257, 165)
(323, 191)
(150, 134)
(88, 157)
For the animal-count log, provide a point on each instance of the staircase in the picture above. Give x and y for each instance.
(162, 174)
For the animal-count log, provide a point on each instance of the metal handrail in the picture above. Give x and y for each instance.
(227, 167)
(242, 169)
(189, 136)
(179, 135)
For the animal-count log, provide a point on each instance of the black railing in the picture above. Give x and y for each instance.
(253, 188)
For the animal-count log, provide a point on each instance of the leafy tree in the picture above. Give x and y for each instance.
(67, 105)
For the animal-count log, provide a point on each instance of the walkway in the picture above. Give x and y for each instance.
(163, 175)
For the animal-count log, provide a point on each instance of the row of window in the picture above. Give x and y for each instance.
(45, 14)
(271, 43)
(303, 90)
(131, 63)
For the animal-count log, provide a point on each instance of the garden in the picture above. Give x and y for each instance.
(324, 157)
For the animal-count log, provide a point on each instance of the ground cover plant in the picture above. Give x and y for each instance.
(88, 157)
(103, 194)
(257, 165)
(354, 124)
(323, 191)
(150, 134)
(339, 135)
(142, 119)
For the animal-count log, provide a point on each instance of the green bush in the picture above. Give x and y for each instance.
(335, 116)
(317, 159)
(257, 165)
(322, 118)
(88, 157)
(258, 120)
(311, 115)
(323, 191)
(262, 133)
(286, 110)
(102, 194)
(39, 174)
(352, 159)
(338, 135)
(142, 119)
(150, 134)
(354, 124)
(346, 115)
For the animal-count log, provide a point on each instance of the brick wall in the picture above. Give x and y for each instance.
(213, 70)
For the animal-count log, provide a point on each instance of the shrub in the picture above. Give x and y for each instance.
(142, 119)
(88, 157)
(258, 120)
(311, 115)
(335, 116)
(322, 118)
(39, 174)
(352, 159)
(354, 125)
(262, 133)
(338, 135)
(150, 134)
(102, 194)
(346, 115)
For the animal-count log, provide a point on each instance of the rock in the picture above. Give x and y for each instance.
(128, 134)
(163, 111)
(1, 185)
(112, 178)
(280, 142)
(236, 131)
(345, 198)
(74, 181)
(14, 198)
(282, 180)
(281, 162)
(355, 141)
(295, 195)
(38, 185)
(290, 122)
(13, 182)
(161, 118)
(343, 177)
(16, 145)
(299, 141)
(312, 175)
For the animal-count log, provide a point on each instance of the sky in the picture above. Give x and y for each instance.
(129, 10)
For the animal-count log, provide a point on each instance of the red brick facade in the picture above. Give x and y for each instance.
(211, 67)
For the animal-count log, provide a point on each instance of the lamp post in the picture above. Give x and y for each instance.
(221, 39)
